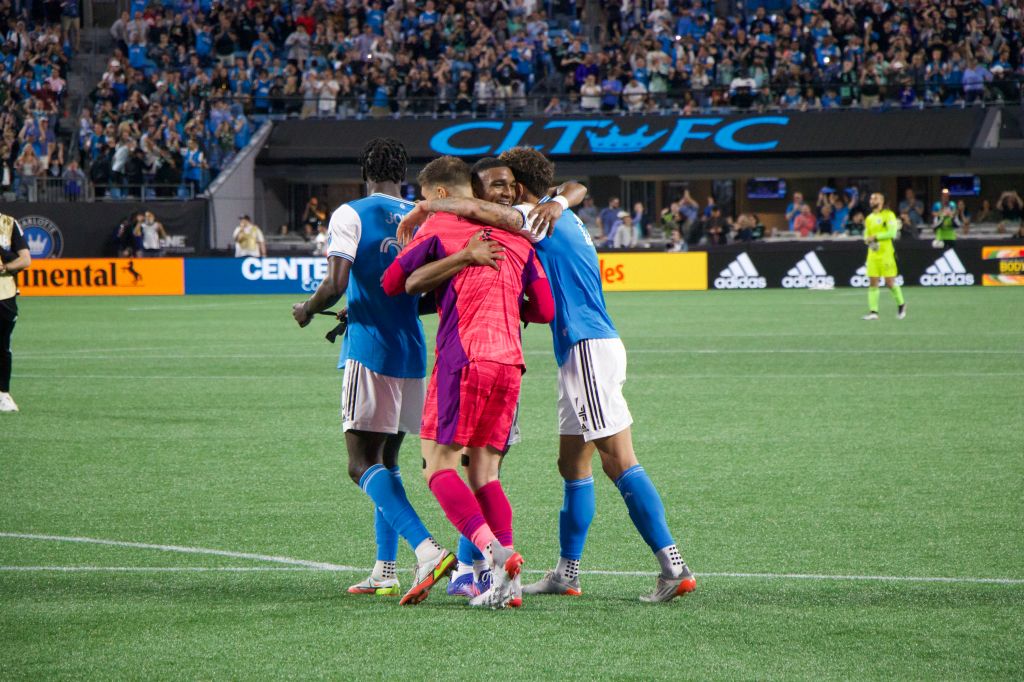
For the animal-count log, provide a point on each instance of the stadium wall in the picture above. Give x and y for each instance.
(796, 265)
(88, 229)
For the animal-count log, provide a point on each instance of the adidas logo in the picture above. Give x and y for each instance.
(947, 271)
(808, 273)
(740, 274)
(861, 279)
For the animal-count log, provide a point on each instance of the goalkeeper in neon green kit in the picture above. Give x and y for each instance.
(880, 228)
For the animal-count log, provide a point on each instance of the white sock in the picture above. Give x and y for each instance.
(672, 564)
(479, 566)
(567, 569)
(427, 550)
(384, 570)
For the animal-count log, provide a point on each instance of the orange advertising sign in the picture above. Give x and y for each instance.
(654, 271)
(103, 277)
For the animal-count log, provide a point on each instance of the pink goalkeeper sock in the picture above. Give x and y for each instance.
(497, 511)
(461, 508)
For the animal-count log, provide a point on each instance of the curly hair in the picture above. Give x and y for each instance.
(384, 159)
(531, 168)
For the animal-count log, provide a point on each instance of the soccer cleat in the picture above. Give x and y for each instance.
(870, 316)
(7, 403)
(517, 592)
(667, 589)
(552, 583)
(427, 575)
(462, 586)
(483, 583)
(902, 312)
(380, 588)
(503, 580)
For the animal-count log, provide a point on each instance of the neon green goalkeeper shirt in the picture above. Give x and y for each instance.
(884, 226)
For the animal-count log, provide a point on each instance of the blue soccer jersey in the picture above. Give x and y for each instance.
(574, 272)
(384, 332)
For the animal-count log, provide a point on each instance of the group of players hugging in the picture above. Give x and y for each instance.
(496, 244)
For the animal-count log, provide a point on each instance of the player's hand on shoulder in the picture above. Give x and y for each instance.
(410, 222)
(301, 314)
(483, 251)
(541, 220)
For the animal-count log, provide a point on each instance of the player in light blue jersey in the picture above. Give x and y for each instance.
(592, 410)
(384, 360)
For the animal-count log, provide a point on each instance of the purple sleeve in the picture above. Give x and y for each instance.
(419, 252)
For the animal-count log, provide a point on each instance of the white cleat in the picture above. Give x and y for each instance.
(7, 403)
(667, 589)
(870, 316)
(902, 312)
(507, 565)
(552, 583)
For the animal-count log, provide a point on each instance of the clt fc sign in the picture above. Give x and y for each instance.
(603, 136)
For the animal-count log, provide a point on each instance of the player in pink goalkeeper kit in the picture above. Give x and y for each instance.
(473, 391)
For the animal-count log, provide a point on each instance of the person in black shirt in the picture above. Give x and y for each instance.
(14, 257)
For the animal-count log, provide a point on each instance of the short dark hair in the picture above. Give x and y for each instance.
(485, 164)
(531, 168)
(384, 159)
(445, 171)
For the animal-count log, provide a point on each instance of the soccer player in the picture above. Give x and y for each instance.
(592, 410)
(880, 228)
(14, 257)
(384, 361)
(473, 391)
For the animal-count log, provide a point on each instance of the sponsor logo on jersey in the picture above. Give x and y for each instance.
(740, 274)
(861, 279)
(947, 271)
(44, 238)
(808, 273)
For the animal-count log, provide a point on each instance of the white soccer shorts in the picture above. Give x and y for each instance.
(379, 403)
(590, 400)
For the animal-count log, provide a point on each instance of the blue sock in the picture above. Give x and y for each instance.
(574, 519)
(467, 553)
(387, 538)
(387, 493)
(645, 507)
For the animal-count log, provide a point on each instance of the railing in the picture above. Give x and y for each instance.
(713, 98)
(50, 189)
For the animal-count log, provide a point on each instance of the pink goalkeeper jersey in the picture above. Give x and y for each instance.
(479, 308)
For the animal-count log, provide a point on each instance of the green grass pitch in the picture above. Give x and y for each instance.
(785, 435)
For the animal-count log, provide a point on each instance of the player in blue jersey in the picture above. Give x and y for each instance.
(384, 360)
(593, 413)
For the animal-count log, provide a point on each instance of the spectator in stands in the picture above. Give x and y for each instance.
(321, 240)
(1011, 207)
(823, 224)
(744, 228)
(590, 95)
(634, 94)
(986, 214)
(588, 214)
(608, 217)
(74, 181)
(804, 223)
(911, 211)
(621, 235)
(639, 220)
(793, 209)
(717, 227)
(963, 216)
(855, 225)
(248, 239)
(313, 216)
(945, 222)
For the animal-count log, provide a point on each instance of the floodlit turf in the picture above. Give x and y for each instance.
(786, 436)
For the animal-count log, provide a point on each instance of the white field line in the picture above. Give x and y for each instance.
(184, 550)
(537, 373)
(303, 565)
(633, 351)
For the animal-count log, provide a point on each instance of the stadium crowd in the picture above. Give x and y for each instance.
(188, 81)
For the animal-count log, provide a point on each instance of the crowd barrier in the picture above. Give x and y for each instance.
(791, 265)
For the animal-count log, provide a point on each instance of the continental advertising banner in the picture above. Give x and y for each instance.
(654, 271)
(1007, 263)
(103, 277)
(822, 265)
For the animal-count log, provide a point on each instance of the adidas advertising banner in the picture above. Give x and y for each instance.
(88, 229)
(597, 137)
(812, 264)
